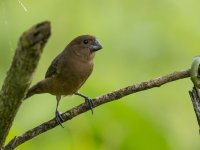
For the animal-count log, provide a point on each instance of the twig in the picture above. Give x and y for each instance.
(97, 102)
(19, 76)
(195, 97)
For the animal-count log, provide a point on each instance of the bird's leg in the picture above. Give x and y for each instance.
(87, 100)
(58, 117)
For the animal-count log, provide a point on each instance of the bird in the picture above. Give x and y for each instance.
(68, 71)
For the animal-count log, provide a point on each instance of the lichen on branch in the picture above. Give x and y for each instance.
(18, 79)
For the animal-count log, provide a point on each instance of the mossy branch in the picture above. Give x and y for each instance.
(19, 76)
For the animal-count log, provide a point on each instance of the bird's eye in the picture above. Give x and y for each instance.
(85, 41)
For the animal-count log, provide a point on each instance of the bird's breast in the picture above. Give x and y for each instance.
(72, 78)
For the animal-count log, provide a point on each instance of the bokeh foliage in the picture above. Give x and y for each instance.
(142, 39)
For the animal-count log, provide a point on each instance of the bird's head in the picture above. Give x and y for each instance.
(85, 46)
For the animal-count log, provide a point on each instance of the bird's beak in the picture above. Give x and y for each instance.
(96, 46)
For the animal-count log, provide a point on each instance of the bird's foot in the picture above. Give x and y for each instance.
(88, 100)
(90, 103)
(59, 118)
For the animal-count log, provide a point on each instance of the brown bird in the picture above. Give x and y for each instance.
(69, 71)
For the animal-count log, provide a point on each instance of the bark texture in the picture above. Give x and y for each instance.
(195, 98)
(18, 79)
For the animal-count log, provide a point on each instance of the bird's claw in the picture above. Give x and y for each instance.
(90, 103)
(59, 118)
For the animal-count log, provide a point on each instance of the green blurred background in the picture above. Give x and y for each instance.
(142, 39)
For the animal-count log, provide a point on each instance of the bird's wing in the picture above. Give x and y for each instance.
(53, 68)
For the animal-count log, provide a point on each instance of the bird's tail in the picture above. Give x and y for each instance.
(35, 89)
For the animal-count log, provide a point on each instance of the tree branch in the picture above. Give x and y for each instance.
(19, 76)
(97, 102)
(195, 98)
